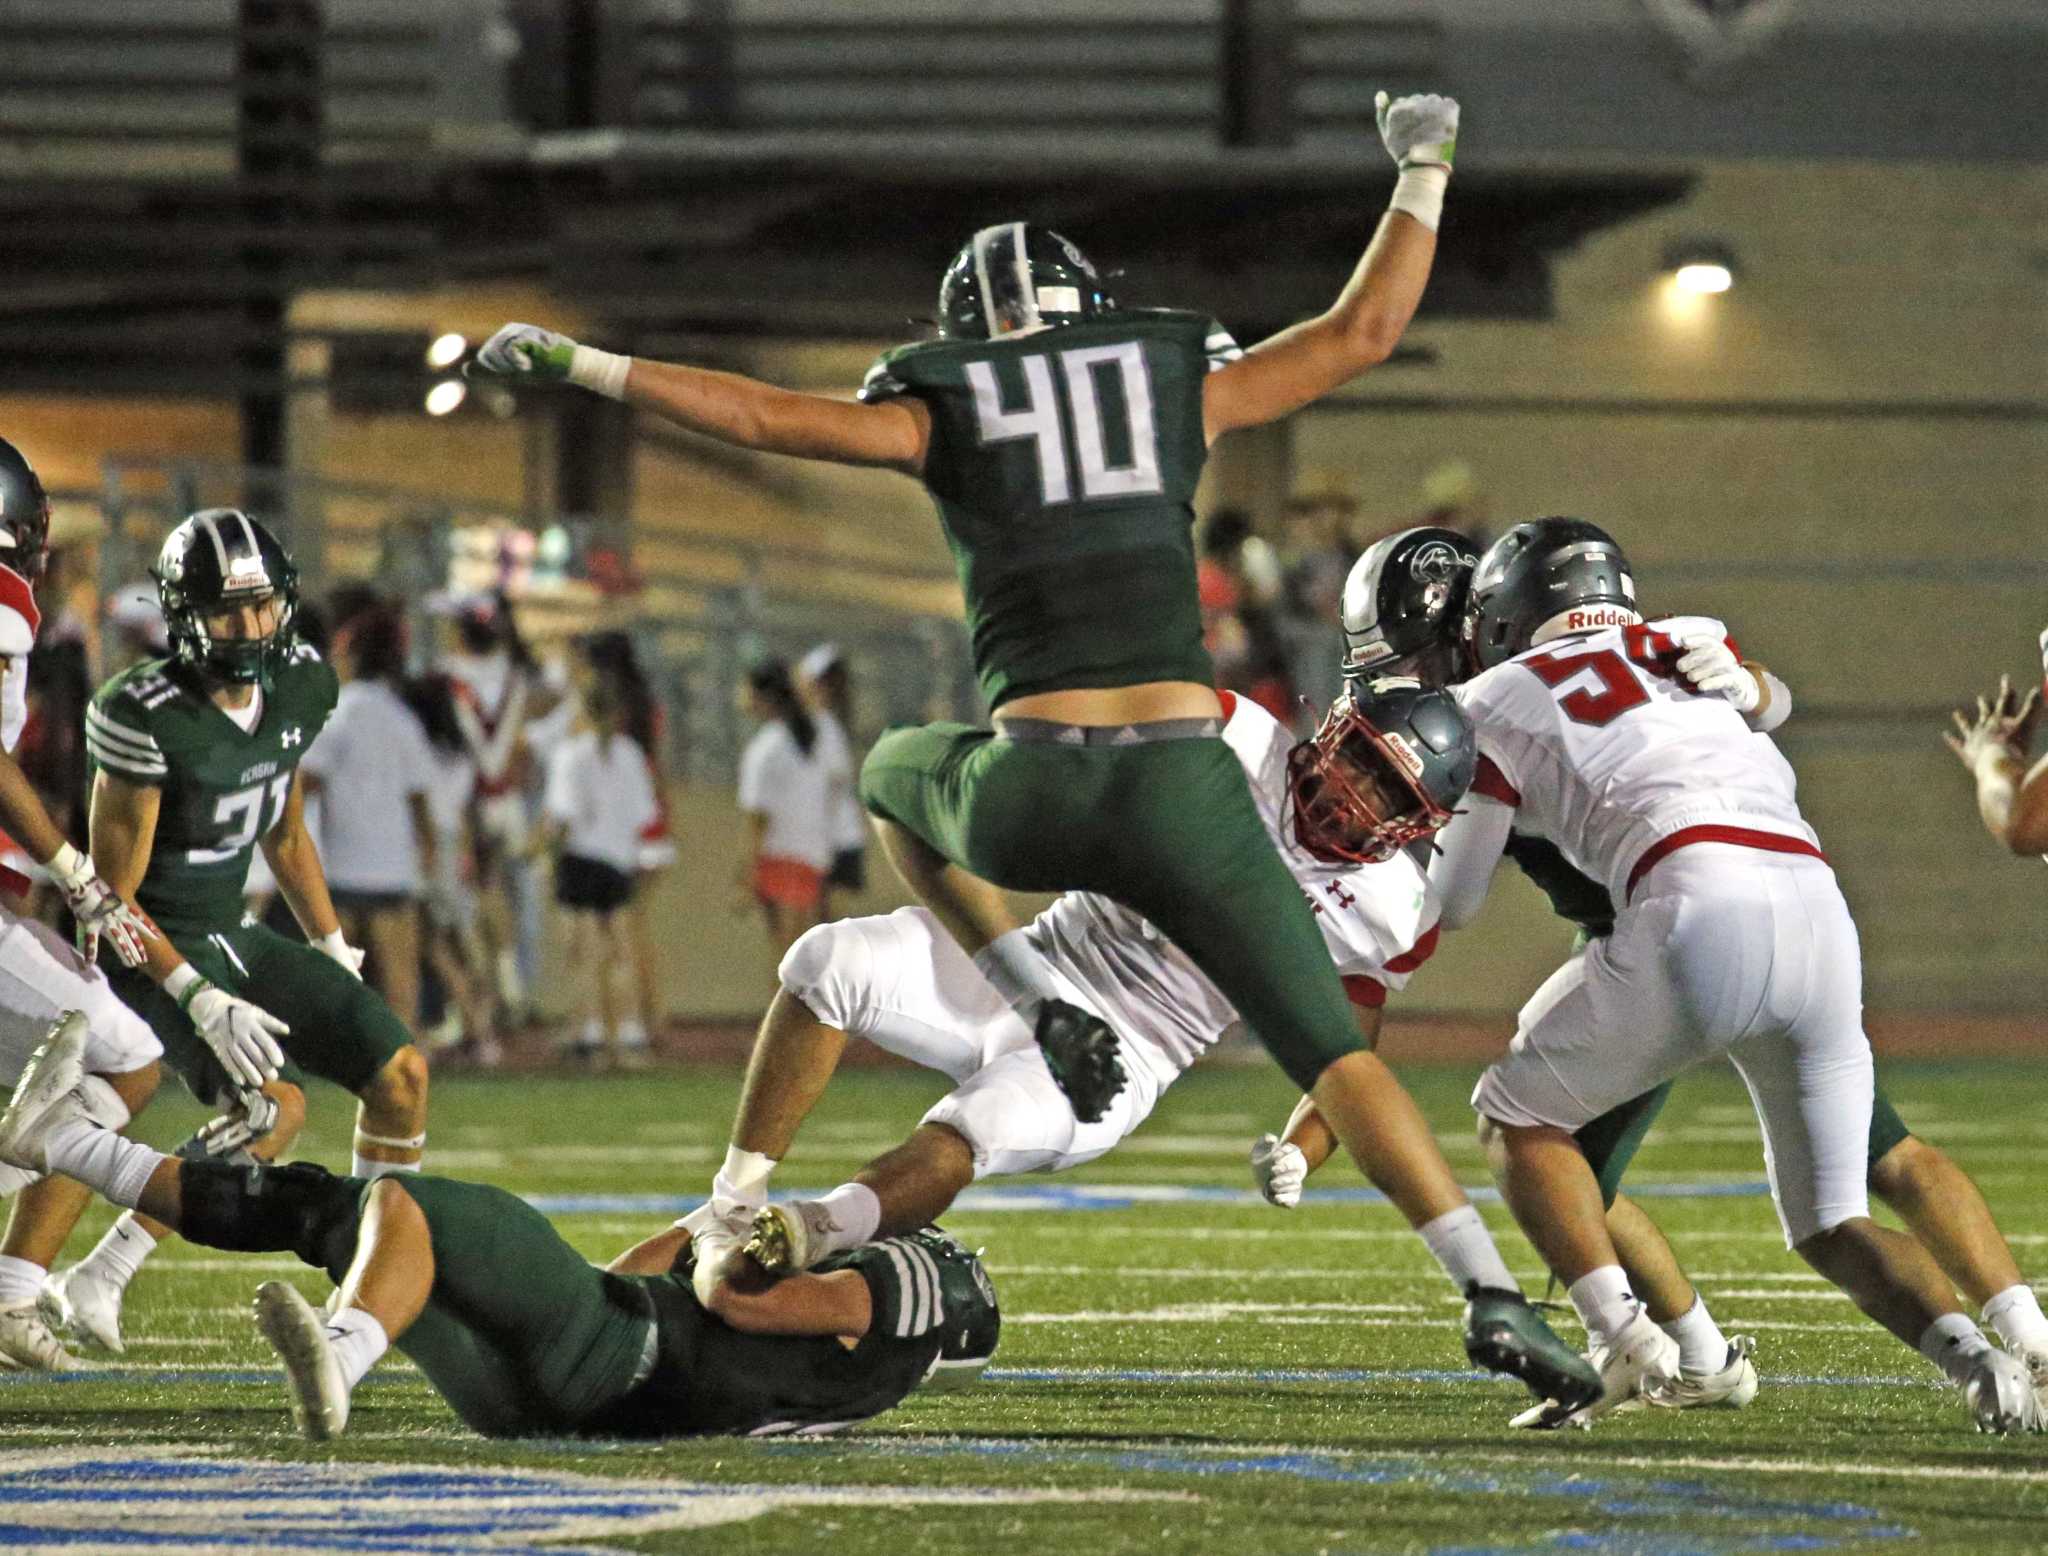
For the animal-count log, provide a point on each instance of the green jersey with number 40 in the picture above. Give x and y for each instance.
(222, 788)
(1064, 462)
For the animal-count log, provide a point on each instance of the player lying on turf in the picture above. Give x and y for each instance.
(515, 1329)
(195, 762)
(1731, 939)
(1061, 436)
(2012, 798)
(1403, 605)
(1338, 810)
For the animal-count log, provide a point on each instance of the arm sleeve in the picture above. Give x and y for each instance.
(1468, 851)
(1777, 710)
(118, 738)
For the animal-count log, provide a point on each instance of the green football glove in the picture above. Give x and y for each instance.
(524, 351)
(1419, 131)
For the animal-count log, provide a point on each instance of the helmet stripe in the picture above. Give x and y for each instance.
(983, 240)
(1021, 257)
(212, 528)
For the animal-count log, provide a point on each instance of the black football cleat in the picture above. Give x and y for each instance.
(1503, 1333)
(1080, 1050)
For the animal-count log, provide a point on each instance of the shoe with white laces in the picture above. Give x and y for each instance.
(43, 1096)
(1636, 1362)
(790, 1236)
(719, 1231)
(86, 1304)
(312, 1372)
(2001, 1393)
(1732, 1386)
(2035, 1359)
(27, 1343)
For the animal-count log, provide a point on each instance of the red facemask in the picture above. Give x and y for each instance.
(1337, 782)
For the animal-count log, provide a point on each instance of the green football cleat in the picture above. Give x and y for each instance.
(1503, 1333)
(1080, 1050)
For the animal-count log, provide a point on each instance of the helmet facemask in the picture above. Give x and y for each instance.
(251, 661)
(1356, 791)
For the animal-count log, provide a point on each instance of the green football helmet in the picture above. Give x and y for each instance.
(1014, 277)
(217, 560)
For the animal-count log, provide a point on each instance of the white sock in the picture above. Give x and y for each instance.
(357, 1340)
(113, 1167)
(361, 1166)
(120, 1253)
(855, 1215)
(1465, 1249)
(1019, 973)
(20, 1282)
(743, 1180)
(1701, 1345)
(1953, 1343)
(2016, 1314)
(1605, 1304)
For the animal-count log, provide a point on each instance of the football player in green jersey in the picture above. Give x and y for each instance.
(195, 762)
(514, 1328)
(1061, 437)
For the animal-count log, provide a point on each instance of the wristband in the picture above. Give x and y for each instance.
(67, 866)
(601, 372)
(1419, 191)
(183, 985)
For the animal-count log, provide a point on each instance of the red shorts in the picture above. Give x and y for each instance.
(788, 883)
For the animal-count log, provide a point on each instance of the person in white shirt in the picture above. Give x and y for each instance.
(789, 775)
(827, 687)
(598, 799)
(375, 774)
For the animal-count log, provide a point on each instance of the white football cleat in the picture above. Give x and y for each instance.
(2000, 1389)
(1634, 1364)
(1730, 1388)
(312, 1372)
(2035, 1359)
(86, 1304)
(28, 1345)
(790, 1236)
(718, 1237)
(40, 1095)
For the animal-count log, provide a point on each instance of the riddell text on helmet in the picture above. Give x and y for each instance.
(1600, 616)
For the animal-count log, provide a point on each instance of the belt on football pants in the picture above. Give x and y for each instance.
(1050, 732)
(1740, 837)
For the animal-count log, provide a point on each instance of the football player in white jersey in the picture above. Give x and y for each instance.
(1403, 607)
(1731, 939)
(1381, 773)
(2012, 798)
(40, 976)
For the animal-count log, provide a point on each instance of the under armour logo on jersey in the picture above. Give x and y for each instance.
(1336, 889)
(291, 737)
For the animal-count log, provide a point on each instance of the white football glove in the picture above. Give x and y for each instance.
(252, 1116)
(524, 351)
(336, 946)
(2044, 651)
(242, 1036)
(1419, 131)
(1279, 1169)
(1711, 668)
(99, 910)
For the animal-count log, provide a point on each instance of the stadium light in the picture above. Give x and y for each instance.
(1700, 267)
(446, 396)
(446, 350)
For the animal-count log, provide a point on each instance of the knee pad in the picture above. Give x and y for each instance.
(103, 1104)
(825, 969)
(301, 1209)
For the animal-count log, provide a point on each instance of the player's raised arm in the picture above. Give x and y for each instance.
(728, 406)
(2012, 798)
(1360, 330)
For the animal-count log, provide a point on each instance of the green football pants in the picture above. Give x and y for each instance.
(1167, 828)
(1612, 1140)
(521, 1335)
(341, 1029)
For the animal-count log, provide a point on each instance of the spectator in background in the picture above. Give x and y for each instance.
(138, 623)
(598, 799)
(375, 774)
(611, 655)
(454, 948)
(499, 690)
(787, 780)
(1318, 546)
(827, 687)
(1238, 580)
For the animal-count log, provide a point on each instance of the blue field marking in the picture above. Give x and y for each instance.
(1651, 1499)
(1098, 1196)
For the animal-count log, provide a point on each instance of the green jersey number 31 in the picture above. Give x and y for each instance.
(1111, 458)
(242, 814)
